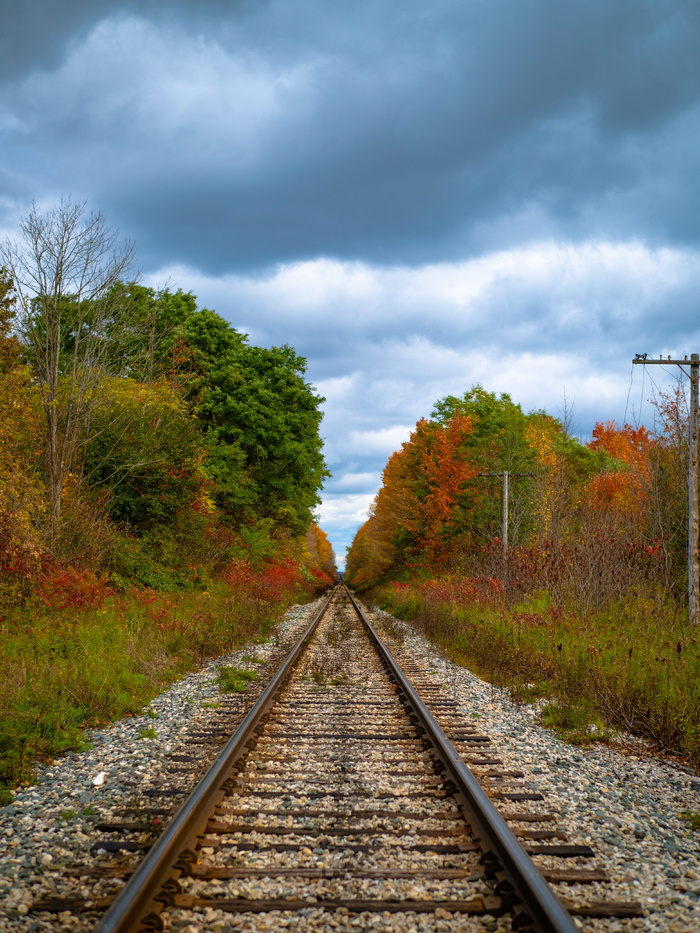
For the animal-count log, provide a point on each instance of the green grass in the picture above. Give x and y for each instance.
(148, 734)
(692, 818)
(633, 667)
(234, 680)
(65, 670)
(577, 723)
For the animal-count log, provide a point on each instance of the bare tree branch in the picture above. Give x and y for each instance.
(65, 265)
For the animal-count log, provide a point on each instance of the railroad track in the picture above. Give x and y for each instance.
(350, 790)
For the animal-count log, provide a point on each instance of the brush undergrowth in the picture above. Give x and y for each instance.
(634, 666)
(65, 667)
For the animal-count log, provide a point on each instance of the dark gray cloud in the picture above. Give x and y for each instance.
(417, 195)
(242, 135)
(37, 34)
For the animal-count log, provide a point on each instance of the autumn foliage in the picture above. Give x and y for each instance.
(625, 492)
(186, 449)
(586, 522)
(22, 501)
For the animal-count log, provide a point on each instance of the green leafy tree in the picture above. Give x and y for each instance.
(496, 443)
(145, 454)
(260, 417)
(273, 414)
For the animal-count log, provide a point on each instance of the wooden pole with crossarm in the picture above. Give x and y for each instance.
(506, 474)
(693, 374)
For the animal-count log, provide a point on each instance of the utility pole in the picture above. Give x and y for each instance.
(504, 520)
(693, 376)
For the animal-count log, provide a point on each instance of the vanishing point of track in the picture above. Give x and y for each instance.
(341, 793)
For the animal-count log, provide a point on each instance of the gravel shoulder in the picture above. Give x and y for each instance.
(47, 831)
(626, 805)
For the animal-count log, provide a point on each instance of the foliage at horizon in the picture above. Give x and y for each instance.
(587, 605)
(192, 449)
(581, 517)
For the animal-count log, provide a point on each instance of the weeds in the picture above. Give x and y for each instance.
(327, 667)
(692, 818)
(323, 679)
(579, 724)
(528, 693)
(81, 655)
(234, 680)
(634, 666)
(148, 734)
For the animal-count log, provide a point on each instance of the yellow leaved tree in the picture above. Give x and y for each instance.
(21, 491)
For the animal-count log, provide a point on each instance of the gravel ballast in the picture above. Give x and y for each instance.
(623, 802)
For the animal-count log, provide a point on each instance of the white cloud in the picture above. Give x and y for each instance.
(340, 515)
(354, 481)
(545, 293)
(555, 326)
(383, 441)
(346, 510)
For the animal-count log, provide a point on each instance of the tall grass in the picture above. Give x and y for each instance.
(69, 661)
(635, 664)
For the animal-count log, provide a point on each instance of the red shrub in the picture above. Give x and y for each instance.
(70, 588)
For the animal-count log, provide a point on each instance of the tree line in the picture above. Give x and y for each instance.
(141, 436)
(587, 523)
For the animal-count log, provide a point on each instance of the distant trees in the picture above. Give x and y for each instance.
(137, 429)
(321, 559)
(420, 510)
(585, 521)
(496, 443)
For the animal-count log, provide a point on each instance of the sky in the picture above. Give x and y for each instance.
(417, 195)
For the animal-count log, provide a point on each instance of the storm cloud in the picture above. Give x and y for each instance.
(417, 196)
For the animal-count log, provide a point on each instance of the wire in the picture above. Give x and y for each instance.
(675, 376)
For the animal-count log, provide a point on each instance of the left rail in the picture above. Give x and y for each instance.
(144, 890)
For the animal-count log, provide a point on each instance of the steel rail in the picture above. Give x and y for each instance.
(539, 901)
(139, 897)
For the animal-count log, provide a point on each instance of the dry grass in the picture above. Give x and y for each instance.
(65, 669)
(633, 666)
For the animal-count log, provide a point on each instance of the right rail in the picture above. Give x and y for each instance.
(542, 907)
